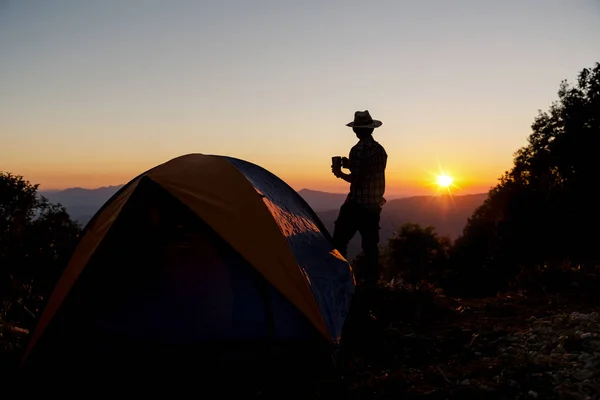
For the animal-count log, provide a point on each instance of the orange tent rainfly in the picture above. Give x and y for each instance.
(202, 249)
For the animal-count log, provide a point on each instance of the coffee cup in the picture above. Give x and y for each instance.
(336, 162)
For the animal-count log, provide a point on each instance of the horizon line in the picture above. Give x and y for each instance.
(389, 196)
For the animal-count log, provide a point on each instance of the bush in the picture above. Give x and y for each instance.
(416, 254)
(564, 278)
(36, 240)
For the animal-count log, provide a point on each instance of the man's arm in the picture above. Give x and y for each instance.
(358, 166)
(347, 177)
(342, 175)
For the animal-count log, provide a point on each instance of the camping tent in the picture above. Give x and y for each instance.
(201, 252)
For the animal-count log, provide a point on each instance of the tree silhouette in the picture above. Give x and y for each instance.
(417, 253)
(36, 238)
(544, 210)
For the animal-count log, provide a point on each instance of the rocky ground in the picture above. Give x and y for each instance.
(509, 347)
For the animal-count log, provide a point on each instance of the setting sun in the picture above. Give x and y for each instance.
(444, 180)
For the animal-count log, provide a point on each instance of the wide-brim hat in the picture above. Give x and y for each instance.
(362, 119)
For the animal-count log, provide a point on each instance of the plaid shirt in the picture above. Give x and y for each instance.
(368, 160)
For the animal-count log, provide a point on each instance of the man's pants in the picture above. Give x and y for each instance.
(352, 218)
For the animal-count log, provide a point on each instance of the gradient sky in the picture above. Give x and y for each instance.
(94, 93)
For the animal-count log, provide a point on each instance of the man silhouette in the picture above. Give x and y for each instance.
(362, 209)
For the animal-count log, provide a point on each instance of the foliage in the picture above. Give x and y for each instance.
(416, 253)
(543, 211)
(565, 278)
(36, 237)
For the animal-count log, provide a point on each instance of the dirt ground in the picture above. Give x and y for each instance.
(429, 346)
(508, 347)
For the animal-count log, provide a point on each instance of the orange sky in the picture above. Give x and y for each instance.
(315, 174)
(93, 95)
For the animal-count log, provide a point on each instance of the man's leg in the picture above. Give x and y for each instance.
(369, 232)
(345, 229)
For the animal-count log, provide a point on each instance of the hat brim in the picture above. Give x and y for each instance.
(374, 124)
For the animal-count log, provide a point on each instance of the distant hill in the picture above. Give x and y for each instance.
(81, 203)
(447, 214)
(322, 201)
(325, 201)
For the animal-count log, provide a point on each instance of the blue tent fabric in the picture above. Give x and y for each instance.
(185, 286)
(161, 303)
(328, 274)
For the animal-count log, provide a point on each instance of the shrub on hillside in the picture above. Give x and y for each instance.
(415, 253)
(36, 239)
(564, 278)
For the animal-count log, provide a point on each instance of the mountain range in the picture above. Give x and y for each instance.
(81, 203)
(448, 214)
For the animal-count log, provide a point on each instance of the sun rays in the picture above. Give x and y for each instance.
(443, 181)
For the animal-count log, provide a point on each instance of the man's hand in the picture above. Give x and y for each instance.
(339, 174)
(336, 171)
(345, 162)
